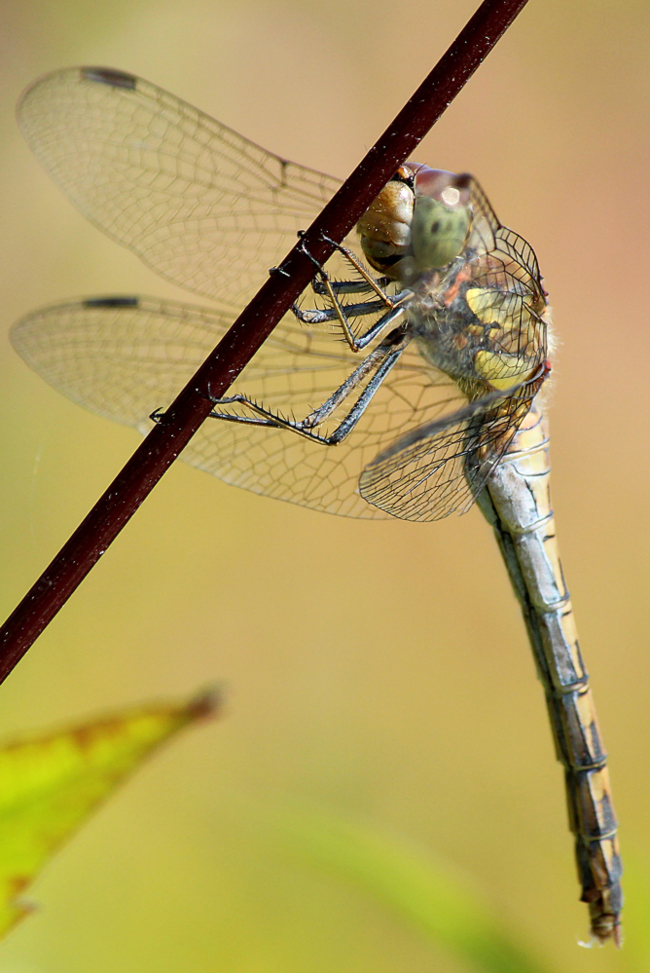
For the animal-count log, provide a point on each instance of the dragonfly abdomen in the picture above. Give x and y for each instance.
(517, 502)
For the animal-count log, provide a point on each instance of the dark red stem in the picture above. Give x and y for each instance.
(163, 444)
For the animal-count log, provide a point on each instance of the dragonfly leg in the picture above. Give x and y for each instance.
(340, 314)
(380, 361)
(321, 315)
(393, 306)
(377, 285)
(349, 286)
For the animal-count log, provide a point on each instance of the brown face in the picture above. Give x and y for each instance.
(385, 227)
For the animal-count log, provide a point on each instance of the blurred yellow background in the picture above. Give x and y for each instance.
(376, 670)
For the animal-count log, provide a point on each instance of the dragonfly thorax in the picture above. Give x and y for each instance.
(447, 331)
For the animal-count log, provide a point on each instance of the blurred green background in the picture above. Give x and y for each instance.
(377, 671)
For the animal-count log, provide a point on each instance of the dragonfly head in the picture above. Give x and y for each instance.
(419, 222)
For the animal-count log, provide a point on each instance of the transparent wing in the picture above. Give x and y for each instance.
(200, 204)
(126, 357)
(504, 291)
(489, 236)
(441, 467)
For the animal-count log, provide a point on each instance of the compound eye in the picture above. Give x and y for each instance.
(438, 232)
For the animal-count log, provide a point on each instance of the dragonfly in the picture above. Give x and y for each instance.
(407, 382)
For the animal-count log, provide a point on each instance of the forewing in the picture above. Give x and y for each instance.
(126, 357)
(513, 264)
(441, 467)
(200, 204)
(505, 294)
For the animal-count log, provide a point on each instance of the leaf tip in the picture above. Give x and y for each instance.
(206, 704)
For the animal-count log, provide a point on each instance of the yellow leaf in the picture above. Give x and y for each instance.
(51, 782)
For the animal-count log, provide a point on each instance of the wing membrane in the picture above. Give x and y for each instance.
(509, 262)
(198, 203)
(441, 467)
(126, 357)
